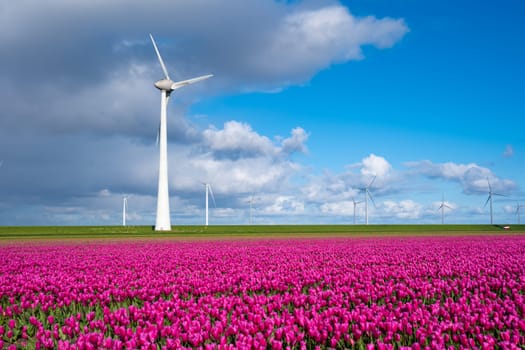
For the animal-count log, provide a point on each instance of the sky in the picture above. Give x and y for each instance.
(311, 101)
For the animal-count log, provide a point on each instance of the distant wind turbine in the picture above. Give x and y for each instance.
(355, 204)
(518, 206)
(442, 207)
(489, 199)
(251, 202)
(208, 191)
(166, 87)
(366, 190)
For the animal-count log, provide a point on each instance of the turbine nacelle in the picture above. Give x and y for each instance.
(164, 84)
(170, 85)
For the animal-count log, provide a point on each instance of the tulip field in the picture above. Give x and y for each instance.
(299, 293)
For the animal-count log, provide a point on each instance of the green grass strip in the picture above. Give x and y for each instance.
(247, 231)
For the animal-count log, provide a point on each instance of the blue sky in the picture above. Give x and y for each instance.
(310, 100)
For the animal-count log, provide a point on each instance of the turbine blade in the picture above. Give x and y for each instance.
(182, 83)
(371, 182)
(490, 187)
(158, 137)
(212, 196)
(371, 198)
(162, 65)
(488, 199)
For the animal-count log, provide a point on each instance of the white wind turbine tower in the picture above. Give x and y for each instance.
(368, 195)
(124, 208)
(166, 86)
(355, 205)
(489, 199)
(208, 190)
(442, 208)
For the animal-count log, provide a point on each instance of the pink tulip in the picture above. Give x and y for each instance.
(335, 292)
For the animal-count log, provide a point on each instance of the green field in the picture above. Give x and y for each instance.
(255, 231)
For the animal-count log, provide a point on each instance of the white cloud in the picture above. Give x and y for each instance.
(375, 166)
(343, 208)
(235, 159)
(296, 142)
(283, 205)
(445, 170)
(472, 177)
(312, 39)
(238, 140)
(349, 185)
(405, 209)
(256, 44)
(331, 188)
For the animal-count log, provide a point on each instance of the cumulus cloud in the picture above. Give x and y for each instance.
(331, 187)
(472, 177)
(284, 205)
(238, 140)
(296, 142)
(349, 185)
(318, 37)
(343, 208)
(375, 166)
(236, 159)
(405, 209)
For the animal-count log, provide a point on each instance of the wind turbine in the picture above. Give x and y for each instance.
(368, 195)
(518, 206)
(208, 190)
(489, 199)
(442, 207)
(124, 208)
(251, 201)
(166, 86)
(355, 204)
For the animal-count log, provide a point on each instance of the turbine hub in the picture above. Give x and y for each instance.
(164, 84)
